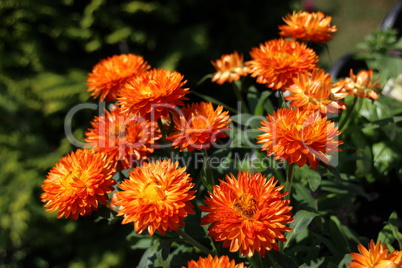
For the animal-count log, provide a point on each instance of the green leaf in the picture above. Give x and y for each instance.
(247, 120)
(346, 188)
(386, 235)
(149, 256)
(252, 98)
(259, 109)
(312, 176)
(384, 156)
(328, 243)
(313, 263)
(302, 219)
(345, 261)
(393, 66)
(338, 236)
(163, 252)
(280, 260)
(334, 171)
(118, 35)
(140, 241)
(390, 231)
(374, 110)
(214, 101)
(304, 197)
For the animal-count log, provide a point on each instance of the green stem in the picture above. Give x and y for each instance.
(289, 179)
(282, 101)
(237, 91)
(187, 238)
(256, 261)
(209, 180)
(349, 110)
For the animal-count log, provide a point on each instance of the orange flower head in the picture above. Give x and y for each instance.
(362, 84)
(305, 26)
(376, 256)
(276, 62)
(153, 93)
(229, 68)
(199, 126)
(125, 139)
(214, 262)
(77, 184)
(248, 213)
(156, 197)
(314, 91)
(108, 76)
(299, 136)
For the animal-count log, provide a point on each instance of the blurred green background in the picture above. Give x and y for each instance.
(46, 50)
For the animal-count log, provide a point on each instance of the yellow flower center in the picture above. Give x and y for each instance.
(146, 91)
(245, 206)
(282, 56)
(199, 122)
(73, 180)
(153, 192)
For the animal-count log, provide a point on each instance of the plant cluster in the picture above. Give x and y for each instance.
(262, 184)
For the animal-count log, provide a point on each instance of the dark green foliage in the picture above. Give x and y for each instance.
(46, 50)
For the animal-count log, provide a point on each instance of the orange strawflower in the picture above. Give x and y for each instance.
(314, 91)
(229, 68)
(199, 126)
(153, 93)
(276, 62)
(361, 85)
(111, 73)
(305, 26)
(156, 197)
(77, 184)
(248, 213)
(376, 256)
(299, 136)
(126, 139)
(214, 262)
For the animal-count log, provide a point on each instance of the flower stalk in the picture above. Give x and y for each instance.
(256, 261)
(345, 122)
(208, 178)
(289, 179)
(238, 93)
(188, 239)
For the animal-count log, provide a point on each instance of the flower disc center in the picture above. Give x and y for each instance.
(245, 206)
(73, 180)
(153, 192)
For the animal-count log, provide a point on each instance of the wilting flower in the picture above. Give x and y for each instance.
(111, 73)
(156, 197)
(153, 93)
(377, 255)
(314, 91)
(305, 26)
(198, 126)
(229, 68)
(276, 62)
(125, 139)
(361, 85)
(214, 262)
(248, 213)
(299, 136)
(77, 184)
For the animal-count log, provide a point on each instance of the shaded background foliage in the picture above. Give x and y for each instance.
(46, 50)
